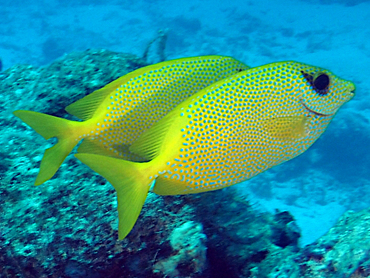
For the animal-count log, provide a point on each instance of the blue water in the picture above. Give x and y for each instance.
(330, 178)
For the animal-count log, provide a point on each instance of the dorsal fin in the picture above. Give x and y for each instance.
(150, 143)
(84, 108)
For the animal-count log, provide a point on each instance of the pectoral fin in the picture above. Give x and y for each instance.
(286, 128)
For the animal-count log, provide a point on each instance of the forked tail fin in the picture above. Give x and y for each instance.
(48, 127)
(131, 181)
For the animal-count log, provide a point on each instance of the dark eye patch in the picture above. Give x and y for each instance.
(320, 83)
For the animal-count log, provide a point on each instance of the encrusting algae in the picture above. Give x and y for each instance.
(227, 132)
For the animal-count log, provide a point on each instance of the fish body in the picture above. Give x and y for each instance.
(226, 133)
(117, 114)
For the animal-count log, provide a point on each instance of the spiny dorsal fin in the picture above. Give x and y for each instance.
(149, 144)
(84, 108)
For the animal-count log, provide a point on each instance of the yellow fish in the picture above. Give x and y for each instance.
(224, 134)
(116, 115)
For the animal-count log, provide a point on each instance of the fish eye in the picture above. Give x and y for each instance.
(321, 83)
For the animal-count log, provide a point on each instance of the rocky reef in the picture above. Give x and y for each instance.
(67, 227)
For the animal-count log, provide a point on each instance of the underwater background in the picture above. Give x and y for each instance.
(308, 217)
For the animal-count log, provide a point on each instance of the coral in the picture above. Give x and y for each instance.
(50, 89)
(68, 226)
(188, 244)
(161, 39)
(342, 252)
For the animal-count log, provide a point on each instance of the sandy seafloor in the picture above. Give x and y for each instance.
(330, 178)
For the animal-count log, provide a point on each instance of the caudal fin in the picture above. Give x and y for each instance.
(48, 127)
(131, 181)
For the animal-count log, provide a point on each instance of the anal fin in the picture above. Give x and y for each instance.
(96, 147)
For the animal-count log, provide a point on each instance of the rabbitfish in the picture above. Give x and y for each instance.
(224, 134)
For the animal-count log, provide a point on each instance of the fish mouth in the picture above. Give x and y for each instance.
(314, 112)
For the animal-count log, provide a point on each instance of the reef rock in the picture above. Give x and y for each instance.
(67, 227)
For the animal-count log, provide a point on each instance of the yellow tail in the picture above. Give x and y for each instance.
(131, 181)
(48, 127)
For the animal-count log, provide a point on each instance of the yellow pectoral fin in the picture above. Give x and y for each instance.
(286, 128)
(131, 181)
